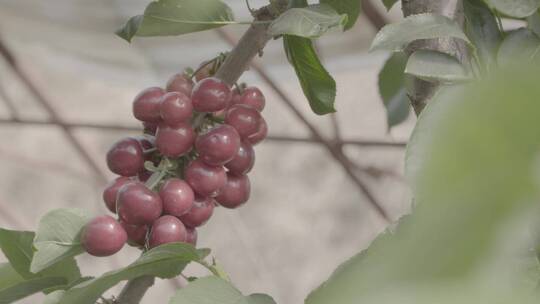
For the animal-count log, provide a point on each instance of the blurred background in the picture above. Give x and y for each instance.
(66, 87)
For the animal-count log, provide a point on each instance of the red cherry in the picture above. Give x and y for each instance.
(175, 108)
(111, 191)
(245, 119)
(211, 95)
(175, 141)
(219, 145)
(204, 179)
(146, 105)
(167, 229)
(177, 197)
(136, 234)
(243, 161)
(260, 135)
(235, 192)
(126, 157)
(138, 205)
(180, 83)
(200, 212)
(253, 97)
(103, 236)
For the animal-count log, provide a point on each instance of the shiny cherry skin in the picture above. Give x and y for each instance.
(219, 145)
(126, 157)
(204, 179)
(245, 119)
(200, 213)
(146, 105)
(136, 233)
(252, 96)
(167, 229)
(111, 191)
(243, 160)
(175, 141)
(138, 205)
(235, 192)
(180, 83)
(175, 107)
(260, 135)
(210, 95)
(103, 236)
(177, 197)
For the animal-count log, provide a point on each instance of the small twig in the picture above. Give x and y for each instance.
(373, 15)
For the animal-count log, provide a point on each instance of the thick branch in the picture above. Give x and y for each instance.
(134, 290)
(421, 91)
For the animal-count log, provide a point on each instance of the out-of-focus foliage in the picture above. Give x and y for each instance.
(474, 164)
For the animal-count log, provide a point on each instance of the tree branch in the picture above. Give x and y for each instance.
(134, 290)
(421, 91)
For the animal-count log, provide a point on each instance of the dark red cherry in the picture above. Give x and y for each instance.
(150, 127)
(205, 179)
(146, 105)
(243, 160)
(175, 108)
(103, 236)
(174, 141)
(111, 191)
(235, 192)
(126, 157)
(177, 197)
(167, 229)
(136, 234)
(244, 119)
(200, 212)
(138, 205)
(260, 135)
(252, 96)
(180, 83)
(210, 95)
(219, 145)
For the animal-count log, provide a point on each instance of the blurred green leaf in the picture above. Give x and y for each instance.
(211, 290)
(482, 29)
(392, 89)
(533, 23)
(516, 8)
(396, 36)
(14, 287)
(521, 44)
(17, 247)
(310, 22)
(389, 3)
(350, 7)
(317, 84)
(177, 17)
(165, 261)
(473, 165)
(436, 67)
(58, 237)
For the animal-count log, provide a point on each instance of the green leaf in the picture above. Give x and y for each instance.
(17, 247)
(211, 290)
(318, 86)
(165, 261)
(519, 45)
(396, 36)
(533, 23)
(58, 237)
(516, 8)
(350, 7)
(177, 17)
(392, 89)
(14, 287)
(436, 67)
(389, 3)
(482, 29)
(473, 164)
(310, 22)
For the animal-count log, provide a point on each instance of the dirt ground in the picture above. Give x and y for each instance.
(305, 216)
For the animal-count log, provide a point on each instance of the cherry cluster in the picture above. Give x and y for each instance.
(194, 155)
